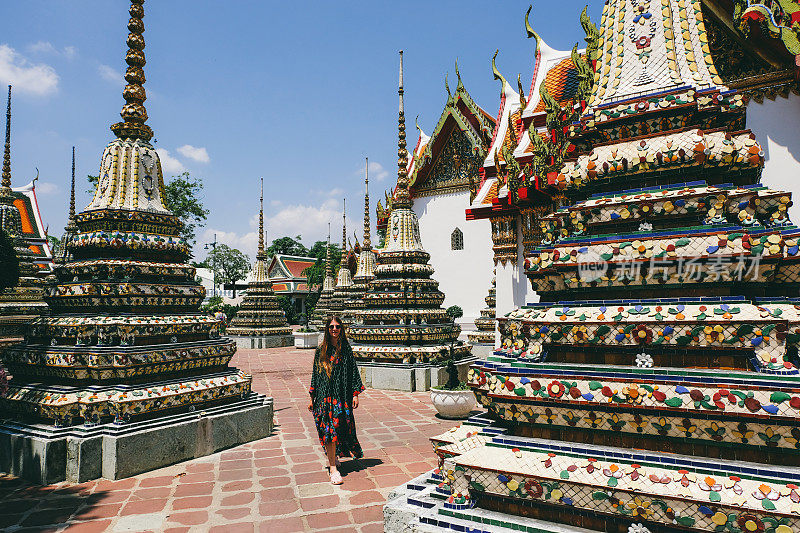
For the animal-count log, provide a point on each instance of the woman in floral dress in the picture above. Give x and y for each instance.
(335, 385)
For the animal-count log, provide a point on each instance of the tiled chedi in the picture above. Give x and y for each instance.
(23, 302)
(486, 322)
(259, 314)
(402, 320)
(124, 340)
(655, 386)
(365, 262)
(344, 278)
(323, 307)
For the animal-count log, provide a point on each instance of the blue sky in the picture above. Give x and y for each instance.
(296, 93)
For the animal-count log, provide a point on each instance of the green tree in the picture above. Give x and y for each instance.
(315, 274)
(9, 263)
(287, 246)
(229, 264)
(286, 306)
(182, 197)
(55, 244)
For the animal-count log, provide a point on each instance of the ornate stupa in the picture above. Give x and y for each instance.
(126, 366)
(22, 303)
(655, 386)
(402, 320)
(323, 307)
(365, 269)
(70, 230)
(260, 322)
(486, 322)
(344, 278)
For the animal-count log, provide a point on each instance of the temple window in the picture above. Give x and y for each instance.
(457, 240)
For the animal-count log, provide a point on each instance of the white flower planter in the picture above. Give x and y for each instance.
(306, 340)
(453, 403)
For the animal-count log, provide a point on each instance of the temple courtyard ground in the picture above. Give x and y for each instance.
(277, 484)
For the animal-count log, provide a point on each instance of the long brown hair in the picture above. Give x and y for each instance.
(327, 341)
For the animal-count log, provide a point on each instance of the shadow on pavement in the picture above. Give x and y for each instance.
(357, 465)
(43, 508)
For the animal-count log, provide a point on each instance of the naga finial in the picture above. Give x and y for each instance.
(522, 101)
(529, 30)
(496, 72)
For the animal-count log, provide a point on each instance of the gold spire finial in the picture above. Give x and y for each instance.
(367, 243)
(261, 255)
(134, 114)
(402, 198)
(5, 185)
(71, 218)
(328, 266)
(344, 224)
(528, 28)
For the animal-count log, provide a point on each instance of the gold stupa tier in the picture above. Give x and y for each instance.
(130, 178)
(64, 405)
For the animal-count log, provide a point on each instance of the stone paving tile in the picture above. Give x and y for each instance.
(275, 485)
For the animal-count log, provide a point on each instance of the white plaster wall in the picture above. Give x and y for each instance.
(463, 275)
(776, 124)
(513, 288)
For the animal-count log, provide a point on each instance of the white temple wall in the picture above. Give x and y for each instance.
(513, 289)
(463, 275)
(776, 124)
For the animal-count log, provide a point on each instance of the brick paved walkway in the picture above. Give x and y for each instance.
(277, 484)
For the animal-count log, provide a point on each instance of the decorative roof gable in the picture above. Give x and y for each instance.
(474, 126)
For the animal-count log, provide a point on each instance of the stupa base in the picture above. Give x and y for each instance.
(409, 377)
(46, 454)
(419, 507)
(269, 341)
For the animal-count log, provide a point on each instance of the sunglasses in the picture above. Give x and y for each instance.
(334, 327)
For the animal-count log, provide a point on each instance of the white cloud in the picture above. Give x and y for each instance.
(33, 78)
(45, 47)
(111, 74)
(169, 164)
(247, 242)
(377, 172)
(308, 221)
(197, 154)
(45, 187)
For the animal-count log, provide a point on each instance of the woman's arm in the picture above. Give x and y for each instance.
(314, 380)
(355, 376)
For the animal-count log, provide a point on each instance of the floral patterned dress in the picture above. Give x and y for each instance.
(332, 399)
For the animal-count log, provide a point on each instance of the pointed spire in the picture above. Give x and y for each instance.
(5, 185)
(367, 243)
(328, 266)
(134, 114)
(261, 255)
(344, 225)
(402, 197)
(71, 218)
